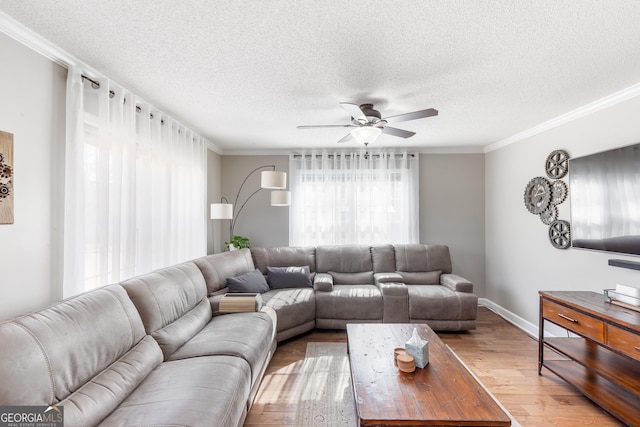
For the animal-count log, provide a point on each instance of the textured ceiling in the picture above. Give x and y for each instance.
(244, 73)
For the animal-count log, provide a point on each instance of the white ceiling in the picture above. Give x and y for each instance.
(245, 73)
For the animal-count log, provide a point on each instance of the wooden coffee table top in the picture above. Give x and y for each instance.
(444, 393)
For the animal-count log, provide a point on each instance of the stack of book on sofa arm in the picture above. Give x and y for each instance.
(155, 349)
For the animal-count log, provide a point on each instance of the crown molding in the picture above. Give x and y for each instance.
(56, 54)
(418, 150)
(36, 42)
(600, 104)
(213, 147)
(449, 150)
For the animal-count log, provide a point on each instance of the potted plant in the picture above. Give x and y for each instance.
(237, 242)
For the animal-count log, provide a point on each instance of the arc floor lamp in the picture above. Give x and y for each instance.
(269, 179)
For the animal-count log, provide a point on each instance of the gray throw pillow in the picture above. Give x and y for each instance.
(289, 277)
(251, 281)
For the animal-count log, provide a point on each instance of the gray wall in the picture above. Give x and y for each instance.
(519, 258)
(451, 207)
(452, 210)
(263, 224)
(32, 108)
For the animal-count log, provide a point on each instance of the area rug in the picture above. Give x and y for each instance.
(326, 398)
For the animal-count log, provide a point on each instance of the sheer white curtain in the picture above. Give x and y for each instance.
(134, 187)
(352, 197)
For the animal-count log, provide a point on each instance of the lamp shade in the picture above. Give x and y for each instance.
(221, 211)
(280, 198)
(366, 134)
(273, 179)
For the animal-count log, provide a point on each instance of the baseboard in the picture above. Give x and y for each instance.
(514, 319)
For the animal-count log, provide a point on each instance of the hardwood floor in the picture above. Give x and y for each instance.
(501, 355)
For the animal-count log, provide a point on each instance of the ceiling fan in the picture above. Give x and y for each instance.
(368, 123)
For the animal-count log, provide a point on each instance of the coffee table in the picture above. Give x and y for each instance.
(444, 393)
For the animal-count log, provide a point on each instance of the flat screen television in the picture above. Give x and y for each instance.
(604, 189)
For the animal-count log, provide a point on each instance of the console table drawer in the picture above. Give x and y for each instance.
(624, 341)
(573, 320)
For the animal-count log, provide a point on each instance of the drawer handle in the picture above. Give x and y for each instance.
(567, 318)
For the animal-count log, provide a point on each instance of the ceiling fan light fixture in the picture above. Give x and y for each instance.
(366, 134)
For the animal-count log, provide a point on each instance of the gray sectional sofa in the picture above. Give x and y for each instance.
(155, 350)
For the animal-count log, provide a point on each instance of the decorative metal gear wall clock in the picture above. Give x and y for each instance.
(542, 197)
(549, 215)
(558, 192)
(537, 195)
(557, 164)
(560, 234)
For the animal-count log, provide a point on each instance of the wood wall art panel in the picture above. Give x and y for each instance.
(6, 178)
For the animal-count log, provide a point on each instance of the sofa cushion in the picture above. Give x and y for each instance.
(383, 258)
(216, 268)
(245, 335)
(172, 303)
(188, 392)
(362, 278)
(415, 258)
(100, 396)
(249, 282)
(440, 303)
(352, 302)
(78, 350)
(284, 257)
(294, 307)
(343, 258)
(420, 278)
(289, 277)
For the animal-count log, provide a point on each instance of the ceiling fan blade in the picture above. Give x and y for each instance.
(324, 126)
(429, 112)
(346, 138)
(354, 110)
(397, 132)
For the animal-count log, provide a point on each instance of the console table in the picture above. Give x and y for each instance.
(603, 361)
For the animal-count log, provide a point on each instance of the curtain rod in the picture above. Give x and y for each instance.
(96, 85)
(299, 156)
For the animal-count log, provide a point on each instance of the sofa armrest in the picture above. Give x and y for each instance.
(456, 283)
(395, 297)
(393, 289)
(387, 278)
(323, 282)
(214, 300)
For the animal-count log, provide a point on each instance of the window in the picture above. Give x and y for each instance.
(134, 187)
(340, 198)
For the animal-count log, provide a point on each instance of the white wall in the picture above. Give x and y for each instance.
(520, 261)
(32, 105)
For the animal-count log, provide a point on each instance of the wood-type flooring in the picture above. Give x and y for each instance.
(503, 357)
